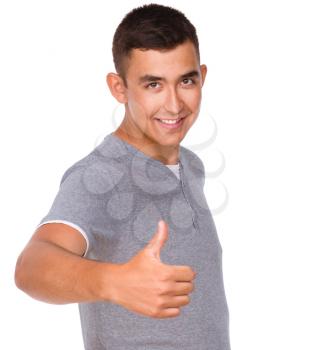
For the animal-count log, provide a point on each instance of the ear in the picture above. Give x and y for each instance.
(117, 87)
(203, 69)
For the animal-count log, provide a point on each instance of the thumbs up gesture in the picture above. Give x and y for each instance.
(148, 286)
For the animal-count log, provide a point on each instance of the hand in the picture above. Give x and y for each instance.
(148, 286)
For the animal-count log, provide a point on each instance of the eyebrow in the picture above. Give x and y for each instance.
(147, 77)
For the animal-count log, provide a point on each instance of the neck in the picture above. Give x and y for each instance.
(168, 155)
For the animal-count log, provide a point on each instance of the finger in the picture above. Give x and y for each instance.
(182, 288)
(183, 273)
(176, 301)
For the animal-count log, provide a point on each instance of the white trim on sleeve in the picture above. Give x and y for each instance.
(72, 225)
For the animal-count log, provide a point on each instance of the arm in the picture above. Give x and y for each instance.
(51, 269)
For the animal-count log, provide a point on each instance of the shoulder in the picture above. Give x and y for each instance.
(193, 166)
(93, 173)
(192, 159)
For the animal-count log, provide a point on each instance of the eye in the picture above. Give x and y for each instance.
(187, 80)
(152, 85)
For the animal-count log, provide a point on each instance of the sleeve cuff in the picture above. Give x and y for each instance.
(72, 225)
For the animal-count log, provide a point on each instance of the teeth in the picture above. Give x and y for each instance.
(169, 121)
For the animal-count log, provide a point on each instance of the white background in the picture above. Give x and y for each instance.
(55, 106)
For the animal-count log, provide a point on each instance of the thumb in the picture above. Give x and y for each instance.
(158, 240)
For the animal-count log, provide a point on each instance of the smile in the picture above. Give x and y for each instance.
(171, 123)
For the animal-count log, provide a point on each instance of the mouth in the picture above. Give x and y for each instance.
(170, 123)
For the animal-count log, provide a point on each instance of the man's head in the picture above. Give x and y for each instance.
(156, 56)
(152, 26)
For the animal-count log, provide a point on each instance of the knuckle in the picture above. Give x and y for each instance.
(155, 312)
(159, 303)
(162, 288)
(165, 276)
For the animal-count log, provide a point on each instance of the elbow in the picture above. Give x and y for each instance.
(19, 273)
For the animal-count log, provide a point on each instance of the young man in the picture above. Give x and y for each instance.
(129, 235)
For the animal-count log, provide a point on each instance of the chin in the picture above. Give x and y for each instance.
(172, 141)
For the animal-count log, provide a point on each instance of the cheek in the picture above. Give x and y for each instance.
(136, 104)
(193, 98)
(143, 104)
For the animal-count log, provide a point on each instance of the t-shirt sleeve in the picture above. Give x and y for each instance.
(74, 205)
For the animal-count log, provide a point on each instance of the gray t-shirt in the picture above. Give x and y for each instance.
(115, 197)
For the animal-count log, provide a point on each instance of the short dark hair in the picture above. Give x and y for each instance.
(151, 26)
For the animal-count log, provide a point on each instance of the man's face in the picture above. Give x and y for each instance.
(163, 86)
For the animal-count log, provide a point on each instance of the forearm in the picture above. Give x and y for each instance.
(54, 275)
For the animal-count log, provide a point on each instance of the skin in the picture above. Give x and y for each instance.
(168, 98)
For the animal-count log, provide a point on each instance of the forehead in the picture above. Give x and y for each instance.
(162, 63)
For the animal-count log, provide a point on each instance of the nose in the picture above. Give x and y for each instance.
(173, 103)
